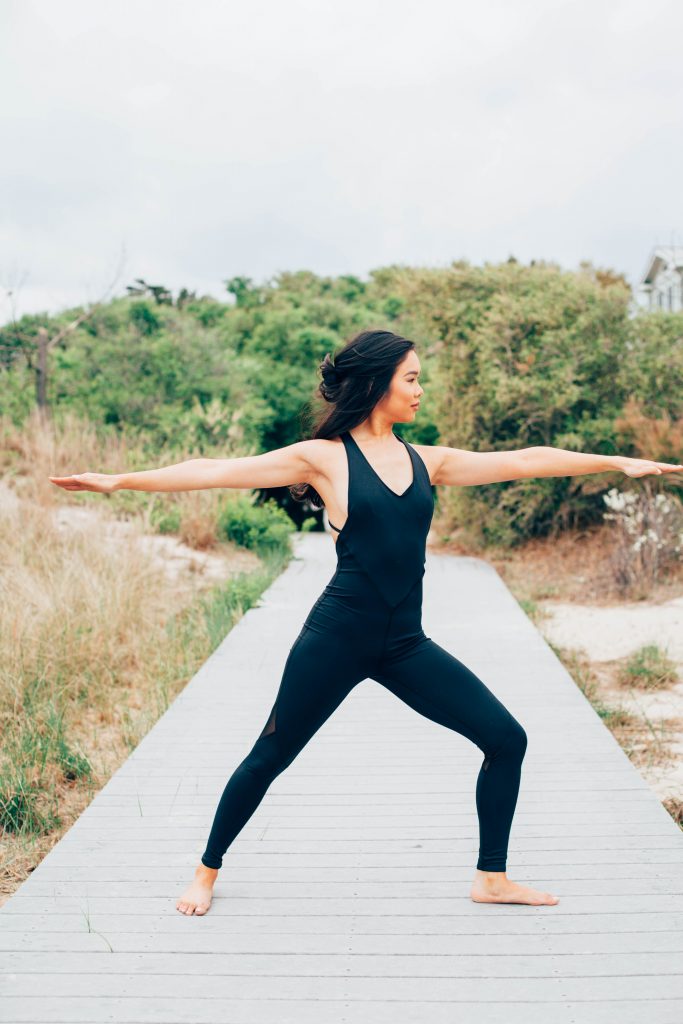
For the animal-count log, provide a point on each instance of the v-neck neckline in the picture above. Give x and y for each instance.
(374, 471)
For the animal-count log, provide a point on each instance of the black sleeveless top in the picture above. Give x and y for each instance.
(386, 532)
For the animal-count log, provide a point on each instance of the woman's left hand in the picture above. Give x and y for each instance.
(643, 467)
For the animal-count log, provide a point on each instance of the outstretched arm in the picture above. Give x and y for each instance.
(465, 468)
(276, 468)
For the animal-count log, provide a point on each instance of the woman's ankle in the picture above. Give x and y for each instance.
(210, 874)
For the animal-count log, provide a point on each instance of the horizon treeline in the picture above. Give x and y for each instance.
(513, 355)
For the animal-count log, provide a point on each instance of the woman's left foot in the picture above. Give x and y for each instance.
(496, 887)
(197, 897)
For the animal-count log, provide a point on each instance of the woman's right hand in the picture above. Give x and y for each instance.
(103, 482)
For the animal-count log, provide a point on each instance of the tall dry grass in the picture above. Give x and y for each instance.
(41, 447)
(95, 638)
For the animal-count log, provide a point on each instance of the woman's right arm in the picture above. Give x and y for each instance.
(278, 468)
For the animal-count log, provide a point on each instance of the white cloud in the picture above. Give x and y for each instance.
(219, 138)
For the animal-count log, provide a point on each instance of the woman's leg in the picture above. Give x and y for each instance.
(312, 687)
(440, 687)
(435, 683)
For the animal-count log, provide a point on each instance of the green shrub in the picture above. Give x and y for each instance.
(20, 809)
(648, 668)
(527, 356)
(144, 318)
(261, 528)
(165, 517)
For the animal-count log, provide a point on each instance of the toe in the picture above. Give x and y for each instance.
(201, 909)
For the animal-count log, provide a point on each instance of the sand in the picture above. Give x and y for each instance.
(605, 634)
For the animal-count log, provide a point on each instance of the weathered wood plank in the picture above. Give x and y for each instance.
(334, 953)
(390, 874)
(312, 1010)
(275, 981)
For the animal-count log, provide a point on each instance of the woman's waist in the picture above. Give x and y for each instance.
(355, 586)
(350, 603)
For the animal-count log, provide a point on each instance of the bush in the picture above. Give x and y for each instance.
(648, 668)
(165, 517)
(527, 356)
(262, 528)
(649, 535)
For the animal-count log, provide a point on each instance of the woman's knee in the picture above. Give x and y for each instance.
(516, 739)
(511, 742)
(266, 759)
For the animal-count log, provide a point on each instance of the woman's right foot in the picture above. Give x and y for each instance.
(197, 897)
(496, 887)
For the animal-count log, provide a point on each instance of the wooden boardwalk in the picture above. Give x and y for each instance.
(345, 899)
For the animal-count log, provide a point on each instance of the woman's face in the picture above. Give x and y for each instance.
(402, 400)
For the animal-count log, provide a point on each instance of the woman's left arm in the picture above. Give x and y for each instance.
(545, 461)
(463, 468)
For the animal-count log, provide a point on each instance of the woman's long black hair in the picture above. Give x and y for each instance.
(352, 384)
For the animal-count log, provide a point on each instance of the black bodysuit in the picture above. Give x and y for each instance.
(367, 624)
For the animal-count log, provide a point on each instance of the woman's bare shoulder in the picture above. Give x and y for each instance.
(431, 455)
(321, 453)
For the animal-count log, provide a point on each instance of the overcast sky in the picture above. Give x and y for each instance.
(198, 141)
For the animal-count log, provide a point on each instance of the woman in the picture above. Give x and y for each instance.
(366, 623)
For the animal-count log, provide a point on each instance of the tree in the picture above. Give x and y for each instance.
(40, 339)
(159, 292)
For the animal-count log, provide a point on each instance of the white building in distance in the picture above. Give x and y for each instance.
(661, 286)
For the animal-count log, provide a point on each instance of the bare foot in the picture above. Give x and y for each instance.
(496, 887)
(197, 897)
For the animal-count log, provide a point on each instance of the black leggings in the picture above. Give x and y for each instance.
(350, 635)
